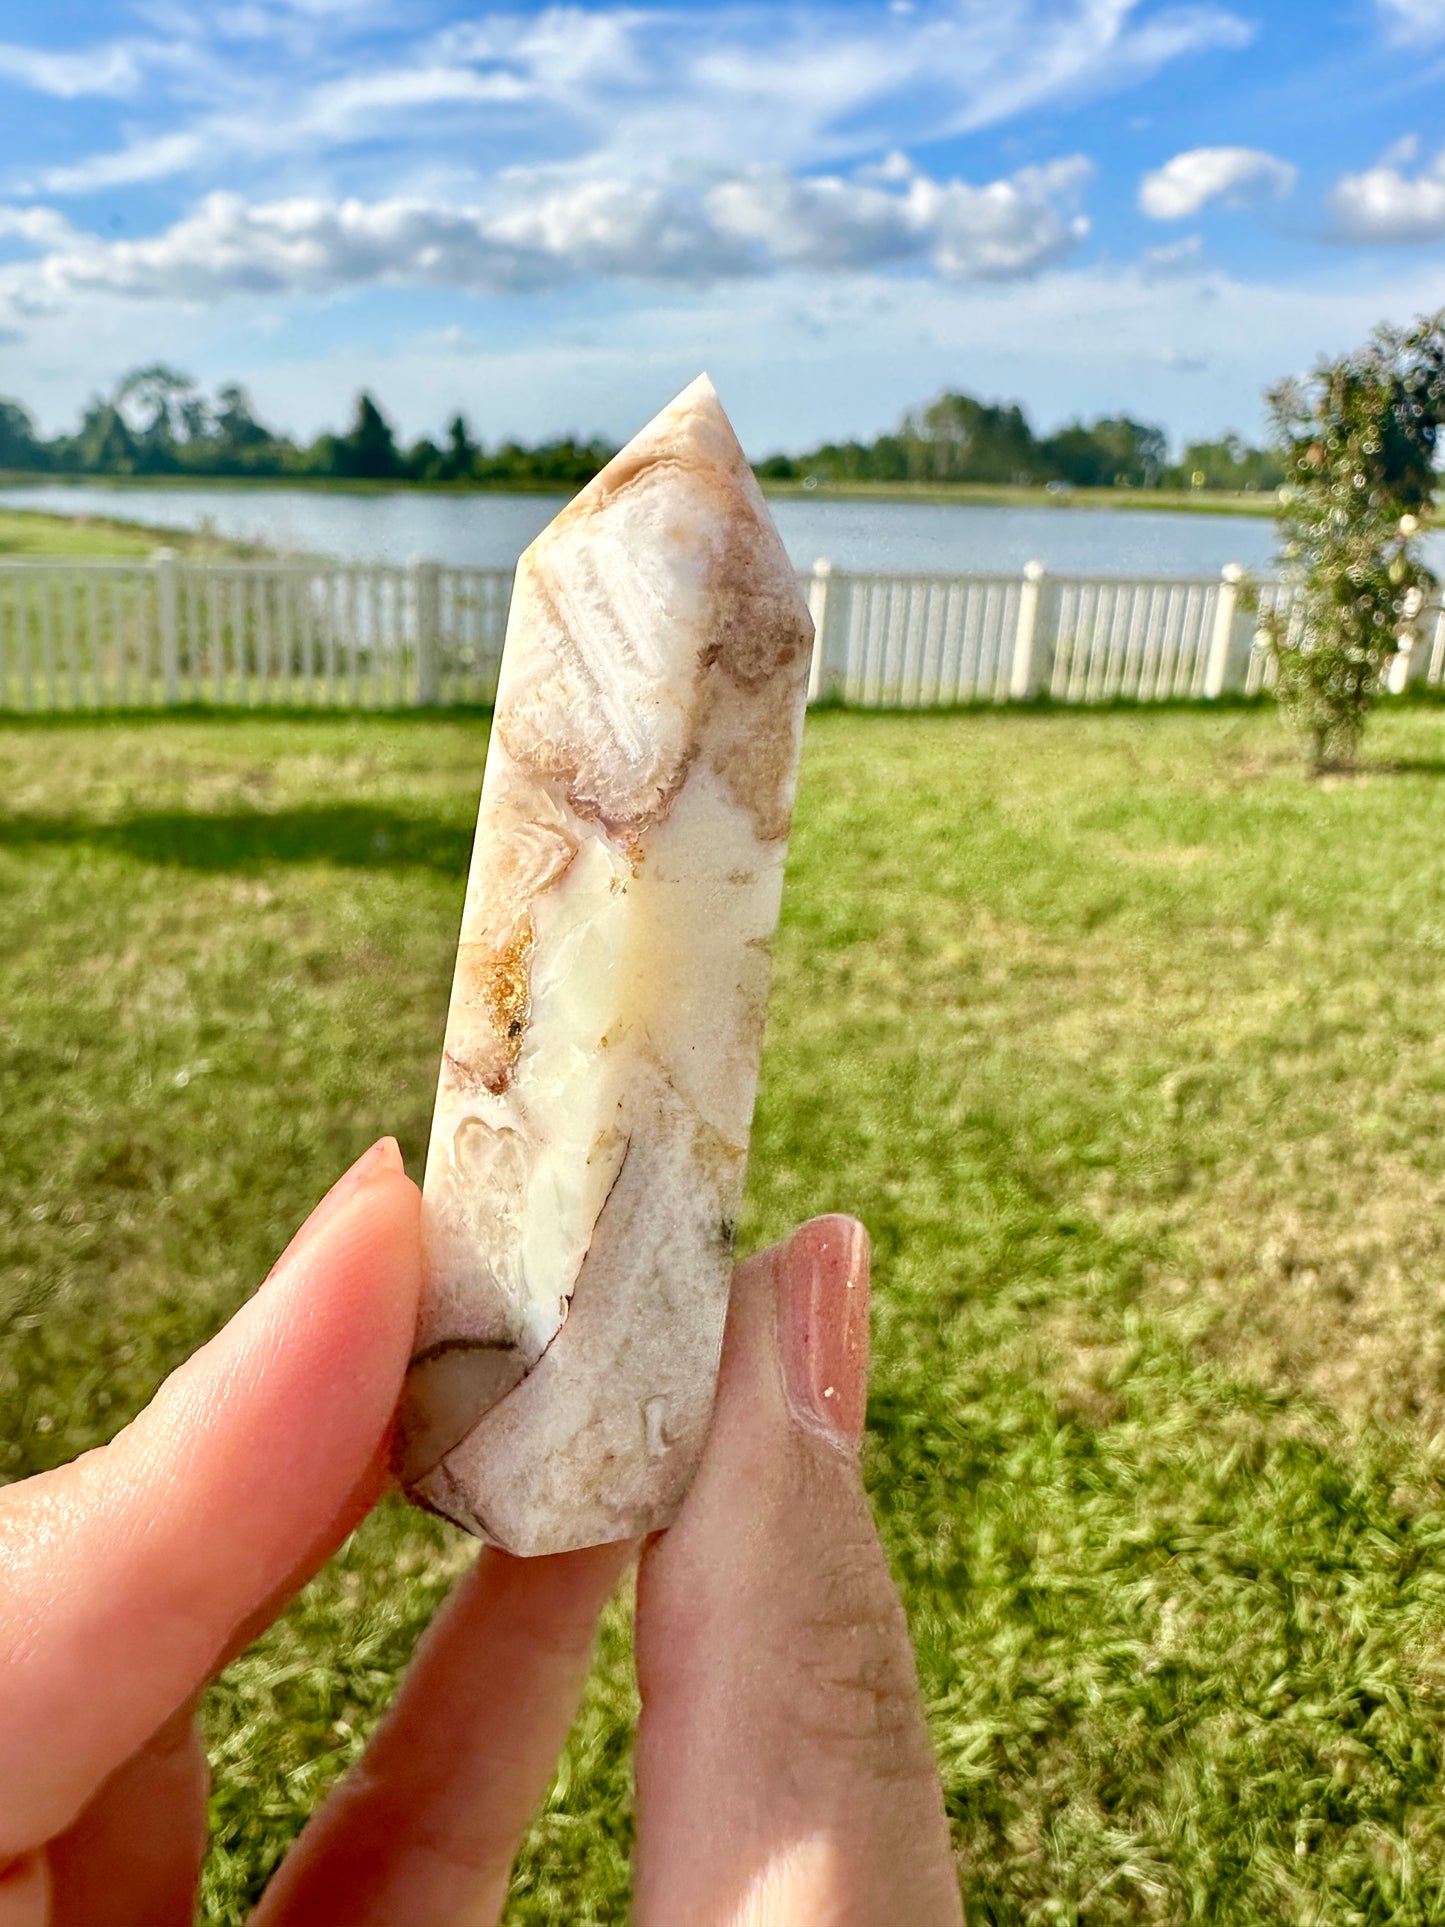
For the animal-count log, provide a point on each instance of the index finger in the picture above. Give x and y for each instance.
(124, 1577)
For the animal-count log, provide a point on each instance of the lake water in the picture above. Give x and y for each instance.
(490, 531)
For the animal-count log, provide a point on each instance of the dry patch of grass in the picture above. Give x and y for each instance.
(1344, 1300)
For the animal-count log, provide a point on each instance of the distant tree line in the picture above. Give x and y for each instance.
(960, 439)
(158, 421)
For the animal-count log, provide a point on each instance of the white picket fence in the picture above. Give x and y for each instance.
(116, 635)
(94, 635)
(924, 641)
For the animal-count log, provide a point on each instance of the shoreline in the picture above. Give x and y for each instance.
(941, 494)
(29, 535)
(1004, 495)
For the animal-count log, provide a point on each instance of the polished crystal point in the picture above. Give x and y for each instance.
(601, 1055)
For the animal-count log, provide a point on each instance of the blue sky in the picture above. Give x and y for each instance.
(553, 216)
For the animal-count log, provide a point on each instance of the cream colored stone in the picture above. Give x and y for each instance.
(601, 1056)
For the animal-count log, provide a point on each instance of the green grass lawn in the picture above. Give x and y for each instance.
(1127, 1045)
(27, 533)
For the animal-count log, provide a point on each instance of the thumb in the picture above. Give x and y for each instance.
(784, 1771)
(125, 1577)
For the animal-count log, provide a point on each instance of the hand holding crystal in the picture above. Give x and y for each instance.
(783, 1768)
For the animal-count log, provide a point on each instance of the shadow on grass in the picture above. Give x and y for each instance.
(32, 720)
(346, 835)
(1043, 708)
(1405, 766)
(1039, 708)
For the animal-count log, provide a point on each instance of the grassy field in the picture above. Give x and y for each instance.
(25, 532)
(1127, 1045)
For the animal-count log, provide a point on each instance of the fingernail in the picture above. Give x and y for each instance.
(384, 1155)
(823, 1325)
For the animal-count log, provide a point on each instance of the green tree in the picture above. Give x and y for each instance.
(1228, 463)
(237, 430)
(368, 451)
(777, 468)
(459, 458)
(20, 446)
(104, 444)
(1358, 441)
(162, 410)
(423, 461)
(1114, 452)
(562, 464)
(957, 438)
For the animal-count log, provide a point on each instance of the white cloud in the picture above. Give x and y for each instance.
(282, 19)
(1185, 256)
(333, 112)
(625, 228)
(1400, 152)
(1382, 204)
(43, 227)
(800, 86)
(610, 90)
(143, 160)
(1003, 229)
(749, 224)
(339, 106)
(113, 69)
(306, 247)
(894, 166)
(1182, 186)
(1414, 22)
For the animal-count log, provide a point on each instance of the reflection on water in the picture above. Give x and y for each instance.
(490, 531)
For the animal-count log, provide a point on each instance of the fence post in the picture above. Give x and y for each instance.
(426, 581)
(1025, 679)
(1221, 642)
(1434, 667)
(819, 682)
(1411, 664)
(163, 562)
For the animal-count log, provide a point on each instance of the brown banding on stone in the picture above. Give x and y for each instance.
(601, 1058)
(495, 984)
(448, 1390)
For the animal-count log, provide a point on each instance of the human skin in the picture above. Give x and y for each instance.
(783, 1767)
